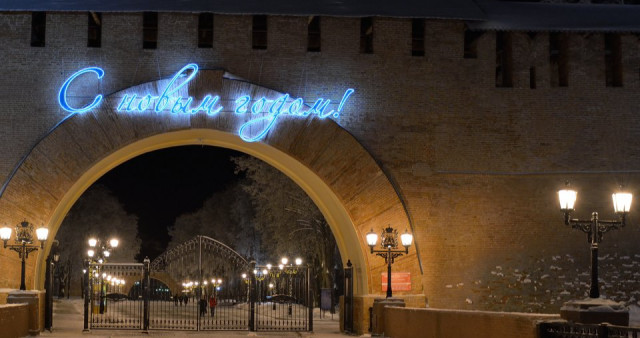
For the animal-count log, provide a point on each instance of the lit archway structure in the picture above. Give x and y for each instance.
(326, 161)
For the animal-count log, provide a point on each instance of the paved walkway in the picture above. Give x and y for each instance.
(68, 322)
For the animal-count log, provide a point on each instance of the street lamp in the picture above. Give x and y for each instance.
(24, 240)
(390, 243)
(595, 227)
(98, 252)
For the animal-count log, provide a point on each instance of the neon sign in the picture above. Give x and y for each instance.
(266, 111)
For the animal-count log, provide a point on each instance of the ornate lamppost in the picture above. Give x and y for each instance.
(98, 252)
(290, 270)
(390, 252)
(217, 285)
(24, 243)
(594, 309)
(595, 227)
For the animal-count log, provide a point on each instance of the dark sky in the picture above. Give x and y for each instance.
(161, 185)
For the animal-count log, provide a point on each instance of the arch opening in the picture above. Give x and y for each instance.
(335, 214)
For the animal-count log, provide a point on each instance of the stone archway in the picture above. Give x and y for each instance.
(328, 163)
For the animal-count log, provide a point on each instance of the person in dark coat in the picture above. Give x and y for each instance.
(203, 306)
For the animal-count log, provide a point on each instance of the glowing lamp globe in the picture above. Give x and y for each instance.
(372, 238)
(406, 238)
(567, 199)
(622, 202)
(5, 233)
(42, 234)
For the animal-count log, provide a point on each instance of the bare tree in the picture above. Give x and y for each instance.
(225, 216)
(287, 220)
(97, 213)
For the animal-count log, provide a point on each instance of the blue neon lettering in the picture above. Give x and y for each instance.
(255, 108)
(297, 103)
(179, 107)
(318, 108)
(242, 103)
(147, 102)
(346, 95)
(62, 94)
(207, 106)
(211, 112)
(170, 99)
(278, 104)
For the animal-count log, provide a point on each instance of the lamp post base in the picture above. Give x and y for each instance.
(595, 311)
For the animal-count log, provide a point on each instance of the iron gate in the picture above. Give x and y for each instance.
(282, 298)
(201, 284)
(106, 302)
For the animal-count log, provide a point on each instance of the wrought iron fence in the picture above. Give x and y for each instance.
(576, 330)
(199, 285)
(107, 297)
(283, 299)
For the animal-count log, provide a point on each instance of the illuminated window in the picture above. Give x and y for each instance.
(613, 60)
(94, 32)
(559, 59)
(259, 32)
(149, 30)
(471, 43)
(504, 60)
(38, 28)
(417, 37)
(366, 35)
(205, 30)
(313, 34)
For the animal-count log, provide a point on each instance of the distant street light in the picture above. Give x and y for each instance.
(594, 228)
(390, 243)
(24, 240)
(98, 252)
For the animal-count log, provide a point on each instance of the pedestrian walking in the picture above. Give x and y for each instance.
(212, 305)
(203, 307)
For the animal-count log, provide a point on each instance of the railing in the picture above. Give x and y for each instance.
(575, 330)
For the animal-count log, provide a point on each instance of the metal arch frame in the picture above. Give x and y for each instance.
(196, 243)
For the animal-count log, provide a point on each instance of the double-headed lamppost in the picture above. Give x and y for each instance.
(24, 240)
(595, 227)
(98, 252)
(390, 251)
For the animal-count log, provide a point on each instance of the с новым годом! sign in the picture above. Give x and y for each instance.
(265, 112)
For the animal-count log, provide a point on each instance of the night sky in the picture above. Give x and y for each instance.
(161, 185)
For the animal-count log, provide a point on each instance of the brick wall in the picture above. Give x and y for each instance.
(478, 166)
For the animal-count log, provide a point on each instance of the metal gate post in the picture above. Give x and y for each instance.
(310, 298)
(146, 291)
(87, 295)
(348, 298)
(199, 290)
(252, 295)
(48, 311)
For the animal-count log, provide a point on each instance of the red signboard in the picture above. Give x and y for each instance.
(400, 281)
